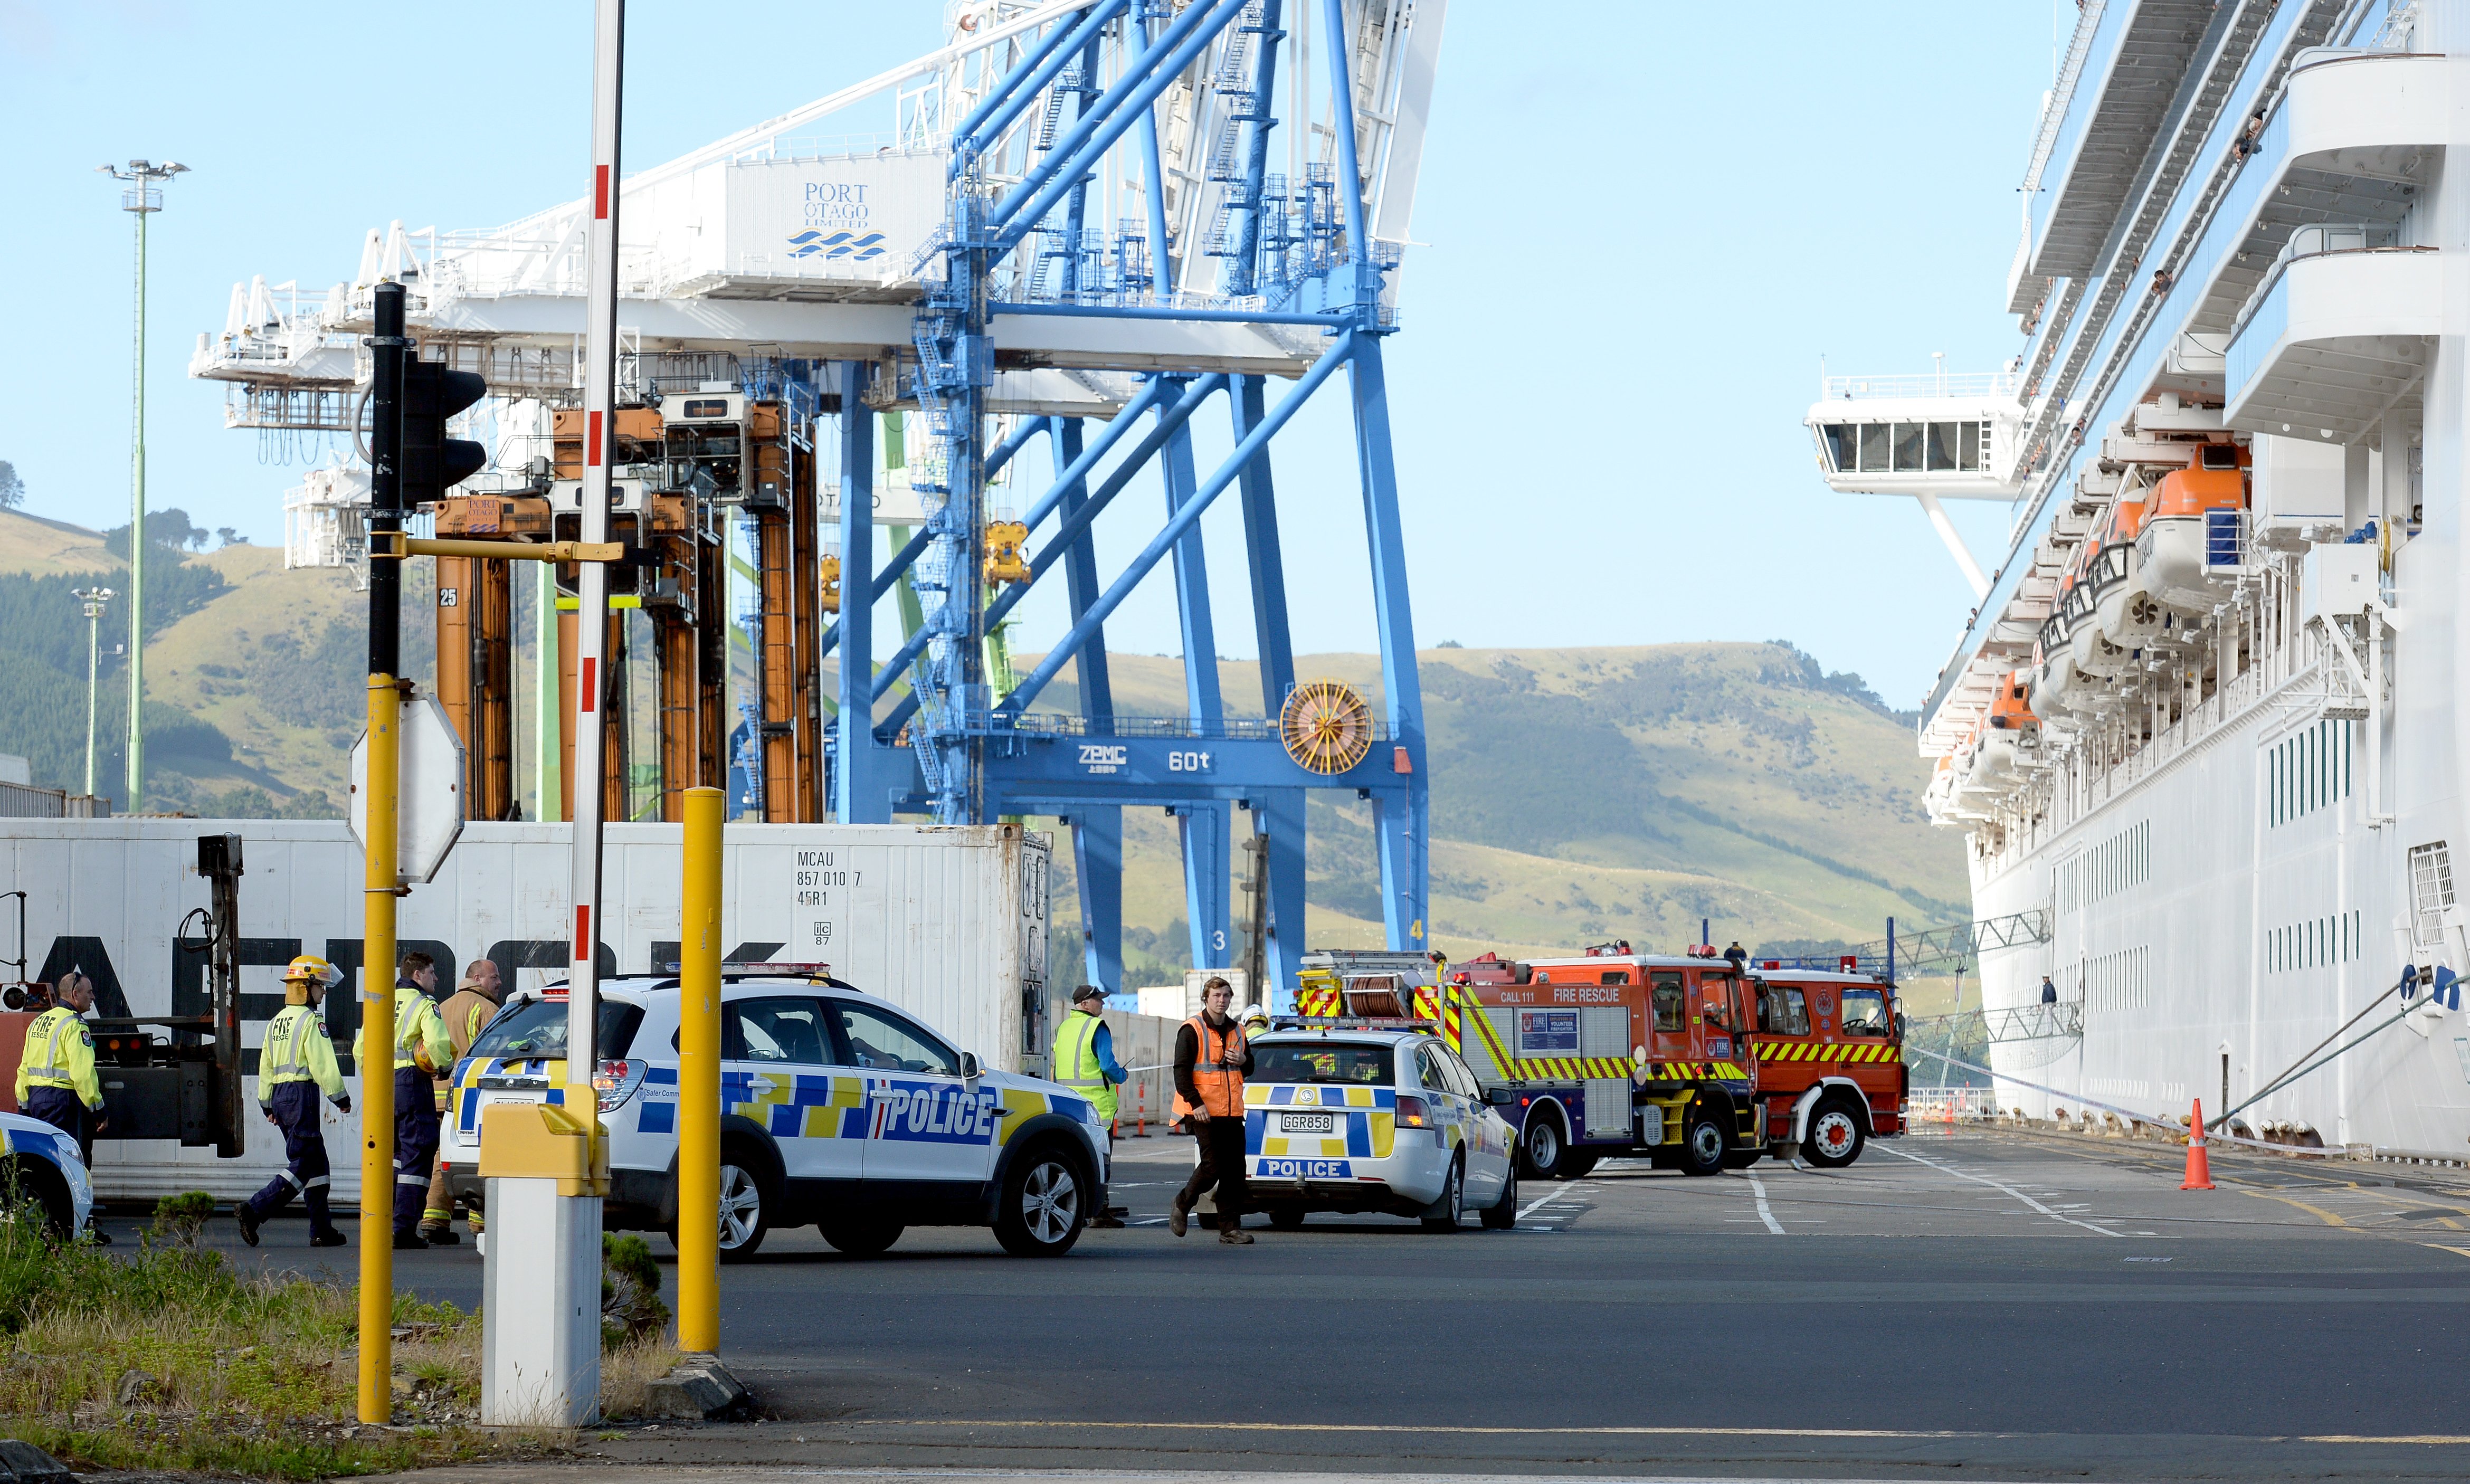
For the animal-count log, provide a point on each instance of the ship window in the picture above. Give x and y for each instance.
(1941, 447)
(1841, 441)
(1908, 447)
(1969, 445)
(1873, 448)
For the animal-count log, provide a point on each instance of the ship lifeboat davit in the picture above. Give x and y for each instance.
(2191, 547)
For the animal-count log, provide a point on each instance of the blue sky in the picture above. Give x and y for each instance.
(1640, 227)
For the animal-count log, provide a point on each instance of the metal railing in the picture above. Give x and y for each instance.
(1942, 384)
(2319, 239)
(2046, 137)
(1057, 724)
(1946, 1105)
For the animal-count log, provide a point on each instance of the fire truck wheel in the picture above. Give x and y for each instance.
(1834, 1137)
(1445, 1212)
(1578, 1164)
(1702, 1140)
(1541, 1147)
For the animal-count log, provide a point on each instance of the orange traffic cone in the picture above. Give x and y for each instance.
(2200, 1170)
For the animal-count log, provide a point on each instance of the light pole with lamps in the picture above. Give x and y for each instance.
(144, 197)
(93, 598)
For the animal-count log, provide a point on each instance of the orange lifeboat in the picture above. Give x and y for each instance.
(2195, 544)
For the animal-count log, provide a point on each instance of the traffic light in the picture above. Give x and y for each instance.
(432, 463)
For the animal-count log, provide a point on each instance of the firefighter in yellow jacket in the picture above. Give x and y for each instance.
(293, 1066)
(421, 1052)
(56, 1079)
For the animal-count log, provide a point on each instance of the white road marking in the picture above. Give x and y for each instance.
(1962, 1174)
(1767, 1213)
(1549, 1196)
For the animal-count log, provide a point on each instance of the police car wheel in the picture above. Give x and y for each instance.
(1452, 1205)
(1834, 1137)
(1540, 1149)
(1504, 1213)
(745, 1209)
(1286, 1219)
(1044, 1206)
(1702, 1142)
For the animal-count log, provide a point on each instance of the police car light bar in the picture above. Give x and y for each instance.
(791, 970)
(1353, 1023)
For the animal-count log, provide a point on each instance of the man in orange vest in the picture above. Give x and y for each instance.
(1211, 1060)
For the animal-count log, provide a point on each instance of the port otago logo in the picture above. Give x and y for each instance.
(836, 224)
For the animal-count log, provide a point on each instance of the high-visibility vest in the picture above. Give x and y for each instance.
(1220, 1085)
(297, 1050)
(1076, 1065)
(59, 1052)
(419, 1034)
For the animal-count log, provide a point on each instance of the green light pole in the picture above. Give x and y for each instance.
(93, 599)
(143, 198)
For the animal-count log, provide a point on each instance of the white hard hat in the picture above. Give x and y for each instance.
(1255, 1012)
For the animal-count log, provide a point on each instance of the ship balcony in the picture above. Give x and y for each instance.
(2356, 139)
(2337, 333)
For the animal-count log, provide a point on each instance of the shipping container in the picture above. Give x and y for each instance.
(949, 923)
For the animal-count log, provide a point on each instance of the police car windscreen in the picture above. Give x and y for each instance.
(1324, 1061)
(537, 1028)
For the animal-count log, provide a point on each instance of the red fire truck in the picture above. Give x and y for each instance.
(1688, 1059)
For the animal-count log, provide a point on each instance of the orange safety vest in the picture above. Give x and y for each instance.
(1220, 1085)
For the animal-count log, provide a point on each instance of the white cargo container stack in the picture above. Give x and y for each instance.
(948, 922)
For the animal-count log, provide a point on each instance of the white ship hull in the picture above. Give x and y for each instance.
(2237, 830)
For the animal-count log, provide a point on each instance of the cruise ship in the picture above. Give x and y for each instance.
(2200, 732)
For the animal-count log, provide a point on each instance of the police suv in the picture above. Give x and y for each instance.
(43, 1165)
(1385, 1119)
(838, 1109)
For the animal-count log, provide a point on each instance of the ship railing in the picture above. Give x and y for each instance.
(2226, 542)
(1937, 383)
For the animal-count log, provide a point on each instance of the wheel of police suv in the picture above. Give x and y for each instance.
(745, 1209)
(1539, 1147)
(1834, 1136)
(1702, 1142)
(1045, 1204)
(1286, 1219)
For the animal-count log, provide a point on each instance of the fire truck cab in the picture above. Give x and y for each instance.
(1830, 1061)
(1688, 1059)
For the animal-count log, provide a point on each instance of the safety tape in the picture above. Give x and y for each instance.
(2174, 1126)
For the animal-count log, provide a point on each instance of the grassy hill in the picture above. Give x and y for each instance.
(1578, 794)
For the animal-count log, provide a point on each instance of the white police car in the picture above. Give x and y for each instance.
(839, 1109)
(43, 1166)
(1374, 1120)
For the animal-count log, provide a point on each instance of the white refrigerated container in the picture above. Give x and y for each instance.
(949, 923)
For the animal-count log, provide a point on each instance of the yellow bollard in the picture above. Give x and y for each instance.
(377, 1061)
(699, 1077)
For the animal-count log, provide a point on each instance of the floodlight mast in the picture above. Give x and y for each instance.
(143, 198)
(92, 599)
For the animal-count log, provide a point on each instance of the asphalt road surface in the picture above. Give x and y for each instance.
(1977, 1305)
